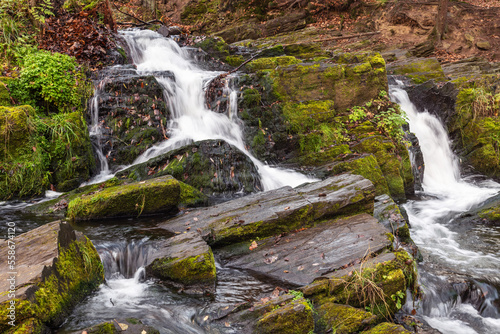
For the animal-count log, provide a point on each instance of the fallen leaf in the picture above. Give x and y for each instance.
(286, 271)
(271, 259)
(265, 299)
(206, 318)
(227, 324)
(300, 268)
(287, 208)
(253, 245)
(195, 219)
(123, 327)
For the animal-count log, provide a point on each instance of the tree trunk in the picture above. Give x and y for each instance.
(441, 20)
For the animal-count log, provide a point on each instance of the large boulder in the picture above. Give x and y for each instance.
(133, 112)
(211, 166)
(53, 267)
(152, 196)
(277, 211)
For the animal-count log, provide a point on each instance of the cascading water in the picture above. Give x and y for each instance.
(191, 120)
(449, 254)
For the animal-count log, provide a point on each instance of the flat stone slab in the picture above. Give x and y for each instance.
(298, 258)
(277, 211)
(185, 261)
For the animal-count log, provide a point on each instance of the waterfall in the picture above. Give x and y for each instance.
(191, 120)
(431, 221)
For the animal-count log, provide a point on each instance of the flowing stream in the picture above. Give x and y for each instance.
(459, 274)
(191, 120)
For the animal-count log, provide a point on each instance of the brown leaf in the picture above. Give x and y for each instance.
(253, 245)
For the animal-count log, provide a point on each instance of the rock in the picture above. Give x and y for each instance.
(345, 319)
(156, 195)
(298, 258)
(14, 128)
(365, 165)
(184, 260)
(295, 317)
(125, 326)
(483, 45)
(382, 148)
(470, 68)
(169, 31)
(387, 328)
(418, 70)
(211, 166)
(56, 268)
(417, 162)
(133, 112)
(388, 214)
(277, 211)
(5, 99)
(377, 283)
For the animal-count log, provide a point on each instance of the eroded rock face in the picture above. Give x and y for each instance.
(211, 166)
(56, 268)
(277, 211)
(184, 261)
(133, 111)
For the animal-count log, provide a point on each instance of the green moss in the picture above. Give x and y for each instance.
(105, 328)
(235, 60)
(151, 196)
(492, 213)
(190, 196)
(5, 99)
(344, 318)
(29, 326)
(269, 63)
(422, 70)
(387, 328)
(295, 317)
(366, 166)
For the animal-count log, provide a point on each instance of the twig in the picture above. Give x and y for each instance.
(346, 37)
(132, 16)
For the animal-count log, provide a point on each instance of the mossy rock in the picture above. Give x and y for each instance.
(213, 167)
(491, 213)
(387, 328)
(420, 70)
(134, 199)
(59, 268)
(366, 166)
(5, 99)
(384, 151)
(345, 319)
(295, 317)
(14, 129)
(218, 48)
(187, 260)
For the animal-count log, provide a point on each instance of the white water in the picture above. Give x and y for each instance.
(191, 120)
(430, 221)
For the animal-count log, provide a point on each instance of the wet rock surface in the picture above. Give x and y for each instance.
(133, 112)
(297, 258)
(57, 268)
(212, 166)
(277, 211)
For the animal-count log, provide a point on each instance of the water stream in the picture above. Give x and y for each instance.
(191, 120)
(459, 274)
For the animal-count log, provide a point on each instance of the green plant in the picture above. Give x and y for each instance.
(357, 113)
(390, 121)
(382, 94)
(51, 82)
(398, 298)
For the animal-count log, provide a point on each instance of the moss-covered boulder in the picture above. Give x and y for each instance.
(15, 129)
(57, 268)
(419, 70)
(5, 99)
(295, 317)
(156, 195)
(387, 328)
(344, 319)
(184, 261)
(133, 112)
(213, 167)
